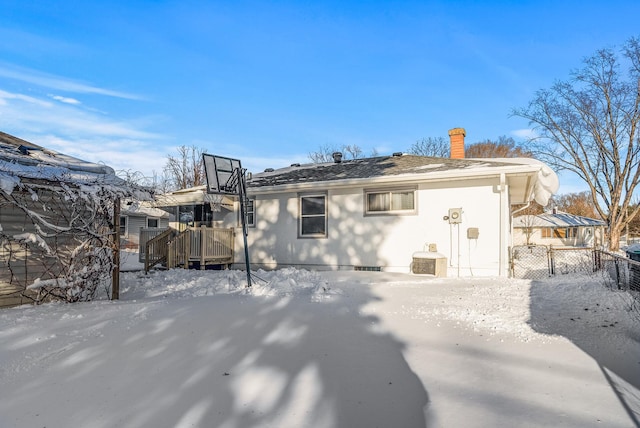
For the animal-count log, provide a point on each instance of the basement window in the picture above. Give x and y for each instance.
(367, 268)
(400, 201)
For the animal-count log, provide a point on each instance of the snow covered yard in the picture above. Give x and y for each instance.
(331, 349)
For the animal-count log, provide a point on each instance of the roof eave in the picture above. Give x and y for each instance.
(451, 175)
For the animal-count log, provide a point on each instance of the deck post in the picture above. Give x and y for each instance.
(203, 234)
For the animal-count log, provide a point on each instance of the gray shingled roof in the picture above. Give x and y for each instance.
(366, 168)
(559, 219)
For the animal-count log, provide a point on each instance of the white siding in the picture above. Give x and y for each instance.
(386, 241)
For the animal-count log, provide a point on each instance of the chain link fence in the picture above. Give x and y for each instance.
(540, 261)
(619, 272)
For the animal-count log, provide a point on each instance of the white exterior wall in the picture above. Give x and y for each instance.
(386, 241)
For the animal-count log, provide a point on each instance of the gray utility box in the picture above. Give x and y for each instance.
(429, 263)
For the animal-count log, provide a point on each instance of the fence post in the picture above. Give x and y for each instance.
(115, 279)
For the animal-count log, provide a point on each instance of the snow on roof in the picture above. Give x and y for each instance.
(20, 160)
(140, 209)
(560, 219)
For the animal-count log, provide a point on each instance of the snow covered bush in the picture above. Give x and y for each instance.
(56, 240)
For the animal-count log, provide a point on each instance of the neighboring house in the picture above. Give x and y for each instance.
(559, 229)
(375, 213)
(138, 215)
(57, 236)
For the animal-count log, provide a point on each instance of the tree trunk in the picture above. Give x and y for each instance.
(614, 238)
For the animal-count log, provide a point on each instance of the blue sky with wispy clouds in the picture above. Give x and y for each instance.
(124, 83)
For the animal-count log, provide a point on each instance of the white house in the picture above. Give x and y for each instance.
(377, 213)
(559, 229)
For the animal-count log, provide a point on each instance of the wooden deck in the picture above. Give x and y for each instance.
(194, 246)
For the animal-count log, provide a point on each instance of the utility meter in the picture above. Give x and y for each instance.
(455, 215)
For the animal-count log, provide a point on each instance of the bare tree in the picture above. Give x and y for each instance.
(434, 147)
(325, 153)
(504, 147)
(528, 219)
(186, 169)
(589, 126)
(575, 203)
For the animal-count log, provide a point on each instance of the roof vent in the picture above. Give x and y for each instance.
(25, 150)
(397, 154)
(269, 170)
(295, 164)
(337, 157)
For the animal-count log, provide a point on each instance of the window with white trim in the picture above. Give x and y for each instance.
(313, 216)
(123, 225)
(153, 222)
(401, 201)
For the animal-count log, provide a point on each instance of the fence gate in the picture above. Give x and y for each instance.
(540, 261)
(530, 262)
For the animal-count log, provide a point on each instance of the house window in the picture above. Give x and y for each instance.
(123, 225)
(313, 216)
(250, 212)
(390, 202)
(152, 222)
(560, 232)
(186, 214)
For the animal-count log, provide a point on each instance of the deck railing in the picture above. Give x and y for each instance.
(156, 249)
(146, 234)
(202, 245)
(180, 250)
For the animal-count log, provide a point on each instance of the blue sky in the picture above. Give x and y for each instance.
(126, 82)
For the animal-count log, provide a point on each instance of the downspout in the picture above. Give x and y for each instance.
(502, 263)
(511, 221)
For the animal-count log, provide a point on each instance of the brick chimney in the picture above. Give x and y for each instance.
(456, 138)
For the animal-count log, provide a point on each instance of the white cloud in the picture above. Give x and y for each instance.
(526, 133)
(5, 96)
(65, 100)
(33, 113)
(120, 154)
(59, 83)
(67, 128)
